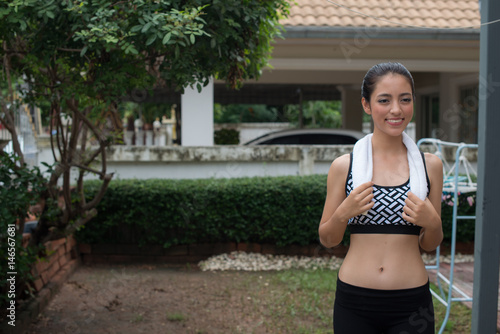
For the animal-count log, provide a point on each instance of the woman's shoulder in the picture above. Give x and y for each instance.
(432, 160)
(337, 175)
(341, 164)
(434, 165)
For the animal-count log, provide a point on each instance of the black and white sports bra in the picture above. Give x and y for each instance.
(386, 214)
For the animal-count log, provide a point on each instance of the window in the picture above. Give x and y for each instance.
(469, 104)
(430, 116)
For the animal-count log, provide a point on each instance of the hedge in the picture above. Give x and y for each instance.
(466, 207)
(275, 210)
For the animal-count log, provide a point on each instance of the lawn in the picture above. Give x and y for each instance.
(162, 299)
(300, 301)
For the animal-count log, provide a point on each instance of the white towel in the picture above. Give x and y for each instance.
(362, 164)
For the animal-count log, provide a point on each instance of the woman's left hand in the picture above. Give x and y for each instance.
(419, 212)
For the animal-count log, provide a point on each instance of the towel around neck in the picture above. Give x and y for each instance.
(362, 164)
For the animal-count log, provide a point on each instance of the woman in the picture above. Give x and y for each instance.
(382, 285)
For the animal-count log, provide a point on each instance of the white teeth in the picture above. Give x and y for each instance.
(394, 120)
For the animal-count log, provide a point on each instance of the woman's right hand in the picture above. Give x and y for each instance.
(338, 208)
(359, 201)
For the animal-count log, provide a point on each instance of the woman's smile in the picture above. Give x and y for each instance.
(395, 121)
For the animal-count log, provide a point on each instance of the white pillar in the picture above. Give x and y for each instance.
(197, 116)
(149, 137)
(129, 136)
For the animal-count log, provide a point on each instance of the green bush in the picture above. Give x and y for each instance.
(276, 210)
(19, 189)
(466, 207)
(227, 137)
(245, 113)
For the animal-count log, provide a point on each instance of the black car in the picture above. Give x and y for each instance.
(308, 137)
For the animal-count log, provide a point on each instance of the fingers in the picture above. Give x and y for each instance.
(409, 214)
(412, 198)
(364, 186)
(364, 189)
(414, 209)
(367, 206)
(366, 197)
(366, 192)
(360, 199)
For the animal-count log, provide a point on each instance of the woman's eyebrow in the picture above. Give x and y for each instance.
(384, 95)
(389, 95)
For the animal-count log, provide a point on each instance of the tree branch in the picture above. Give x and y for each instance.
(86, 216)
(69, 50)
(8, 120)
(89, 169)
(107, 178)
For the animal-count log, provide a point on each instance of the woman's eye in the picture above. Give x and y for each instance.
(407, 100)
(383, 101)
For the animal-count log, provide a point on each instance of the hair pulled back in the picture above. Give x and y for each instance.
(378, 71)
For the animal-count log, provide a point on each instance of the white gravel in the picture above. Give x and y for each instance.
(262, 262)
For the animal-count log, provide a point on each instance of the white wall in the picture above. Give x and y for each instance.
(179, 162)
(197, 109)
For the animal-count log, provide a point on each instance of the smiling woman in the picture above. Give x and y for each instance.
(382, 285)
(392, 105)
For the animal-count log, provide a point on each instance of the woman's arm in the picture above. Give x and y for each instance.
(428, 213)
(338, 209)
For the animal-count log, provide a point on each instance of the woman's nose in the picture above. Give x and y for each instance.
(395, 108)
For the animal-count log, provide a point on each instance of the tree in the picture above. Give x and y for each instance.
(322, 114)
(247, 113)
(83, 56)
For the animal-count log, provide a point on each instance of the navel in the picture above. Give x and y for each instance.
(381, 269)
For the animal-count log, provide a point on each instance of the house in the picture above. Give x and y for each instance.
(329, 45)
(327, 48)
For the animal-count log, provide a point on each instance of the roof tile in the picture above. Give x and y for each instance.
(389, 13)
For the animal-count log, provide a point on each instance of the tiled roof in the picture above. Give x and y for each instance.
(391, 13)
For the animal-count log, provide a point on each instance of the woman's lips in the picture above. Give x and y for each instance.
(395, 121)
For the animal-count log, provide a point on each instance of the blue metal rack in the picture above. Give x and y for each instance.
(451, 185)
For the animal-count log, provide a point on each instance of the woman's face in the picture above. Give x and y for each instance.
(391, 104)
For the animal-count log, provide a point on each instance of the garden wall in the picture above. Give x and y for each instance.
(193, 253)
(49, 274)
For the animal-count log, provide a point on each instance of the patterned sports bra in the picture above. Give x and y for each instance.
(386, 214)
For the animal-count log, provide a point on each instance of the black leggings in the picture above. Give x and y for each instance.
(368, 311)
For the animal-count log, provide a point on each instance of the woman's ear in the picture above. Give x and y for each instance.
(366, 106)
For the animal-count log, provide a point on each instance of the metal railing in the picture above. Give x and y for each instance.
(453, 184)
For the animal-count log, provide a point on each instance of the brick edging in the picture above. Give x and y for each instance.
(131, 253)
(49, 276)
(29, 313)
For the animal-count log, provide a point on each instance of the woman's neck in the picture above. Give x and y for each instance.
(387, 144)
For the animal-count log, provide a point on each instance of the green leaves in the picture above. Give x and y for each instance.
(19, 188)
(197, 40)
(278, 210)
(275, 210)
(166, 39)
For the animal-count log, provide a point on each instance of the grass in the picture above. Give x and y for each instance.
(138, 318)
(176, 317)
(460, 317)
(301, 301)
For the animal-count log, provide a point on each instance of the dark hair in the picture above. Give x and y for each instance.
(378, 71)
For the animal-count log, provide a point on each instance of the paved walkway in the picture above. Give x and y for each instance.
(463, 278)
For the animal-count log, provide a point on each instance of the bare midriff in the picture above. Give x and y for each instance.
(384, 261)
